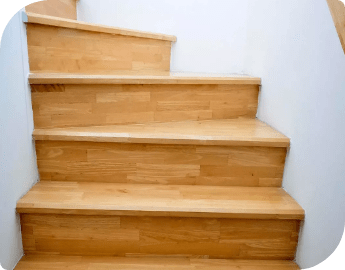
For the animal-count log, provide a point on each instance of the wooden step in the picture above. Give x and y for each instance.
(87, 198)
(231, 132)
(188, 79)
(103, 219)
(62, 101)
(220, 153)
(44, 262)
(67, 46)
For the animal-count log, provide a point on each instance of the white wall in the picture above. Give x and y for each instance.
(18, 169)
(294, 47)
(210, 33)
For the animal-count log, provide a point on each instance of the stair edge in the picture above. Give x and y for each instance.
(155, 260)
(50, 135)
(60, 78)
(293, 212)
(34, 18)
(23, 209)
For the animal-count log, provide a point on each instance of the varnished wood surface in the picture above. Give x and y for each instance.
(230, 132)
(57, 106)
(46, 262)
(337, 9)
(55, 49)
(73, 24)
(160, 164)
(55, 78)
(159, 236)
(159, 200)
(59, 8)
(161, 195)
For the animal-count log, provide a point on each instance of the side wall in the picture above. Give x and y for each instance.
(293, 45)
(18, 169)
(210, 34)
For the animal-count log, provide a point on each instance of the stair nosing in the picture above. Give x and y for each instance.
(113, 138)
(62, 78)
(39, 261)
(21, 209)
(126, 134)
(29, 17)
(159, 210)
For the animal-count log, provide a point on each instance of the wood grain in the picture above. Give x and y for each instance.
(159, 236)
(73, 24)
(337, 9)
(58, 8)
(57, 106)
(160, 164)
(165, 170)
(64, 50)
(171, 78)
(159, 200)
(46, 262)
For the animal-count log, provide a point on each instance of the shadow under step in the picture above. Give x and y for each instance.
(40, 262)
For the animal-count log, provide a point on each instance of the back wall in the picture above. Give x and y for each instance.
(211, 34)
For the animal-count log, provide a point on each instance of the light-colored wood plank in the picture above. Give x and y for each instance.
(207, 264)
(231, 132)
(46, 262)
(67, 50)
(58, 8)
(73, 24)
(56, 78)
(338, 13)
(161, 164)
(159, 200)
(97, 105)
(160, 236)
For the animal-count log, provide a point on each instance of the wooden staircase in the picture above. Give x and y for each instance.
(142, 169)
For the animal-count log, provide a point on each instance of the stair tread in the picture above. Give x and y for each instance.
(235, 132)
(173, 78)
(88, 198)
(92, 263)
(74, 24)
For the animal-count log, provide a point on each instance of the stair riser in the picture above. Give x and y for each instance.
(135, 236)
(86, 105)
(63, 50)
(160, 164)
